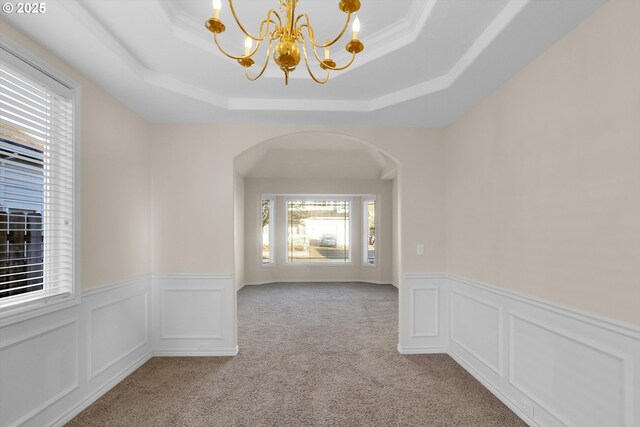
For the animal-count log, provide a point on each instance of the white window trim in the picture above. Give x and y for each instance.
(365, 230)
(310, 197)
(39, 303)
(272, 229)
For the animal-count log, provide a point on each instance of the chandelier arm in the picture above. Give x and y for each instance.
(215, 38)
(264, 67)
(315, 53)
(311, 32)
(334, 68)
(277, 15)
(347, 65)
(306, 62)
(248, 34)
(269, 21)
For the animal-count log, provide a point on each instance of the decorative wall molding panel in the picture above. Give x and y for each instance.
(114, 330)
(194, 315)
(54, 365)
(117, 328)
(553, 366)
(424, 324)
(25, 364)
(469, 315)
(550, 364)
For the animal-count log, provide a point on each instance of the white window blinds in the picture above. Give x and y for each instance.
(36, 182)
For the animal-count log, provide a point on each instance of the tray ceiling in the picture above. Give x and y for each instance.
(425, 62)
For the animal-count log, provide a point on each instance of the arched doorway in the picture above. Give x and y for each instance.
(319, 164)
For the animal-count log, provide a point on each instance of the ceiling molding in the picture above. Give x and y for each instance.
(501, 21)
(171, 9)
(394, 36)
(267, 104)
(98, 29)
(178, 86)
(184, 27)
(459, 68)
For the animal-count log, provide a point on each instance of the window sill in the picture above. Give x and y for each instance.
(319, 264)
(27, 308)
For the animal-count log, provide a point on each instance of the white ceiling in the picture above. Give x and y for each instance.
(425, 62)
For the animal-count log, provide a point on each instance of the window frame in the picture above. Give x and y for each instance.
(323, 197)
(272, 229)
(365, 230)
(30, 305)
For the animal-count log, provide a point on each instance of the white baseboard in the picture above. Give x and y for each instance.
(270, 282)
(85, 403)
(197, 353)
(421, 350)
(495, 391)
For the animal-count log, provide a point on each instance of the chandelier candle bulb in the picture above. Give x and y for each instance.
(217, 5)
(247, 46)
(356, 28)
(327, 53)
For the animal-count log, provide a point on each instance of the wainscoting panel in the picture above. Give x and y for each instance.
(54, 365)
(476, 328)
(194, 315)
(578, 381)
(116, 330)
(423, 322)
(37, 370)
(191, 314)
(551, 365)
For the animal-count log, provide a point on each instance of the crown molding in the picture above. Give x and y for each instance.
(110, 41)
(497, 26)
(394, 36)
(185, 28)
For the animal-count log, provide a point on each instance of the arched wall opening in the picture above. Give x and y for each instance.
(193, 226)
(319, 164)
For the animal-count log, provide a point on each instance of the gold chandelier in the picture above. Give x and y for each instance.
(290, 36)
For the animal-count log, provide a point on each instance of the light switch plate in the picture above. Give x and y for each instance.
(420, 249)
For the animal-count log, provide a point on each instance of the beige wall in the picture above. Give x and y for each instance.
(544, 175)
(195, 186)
(130, 165)
(256, 273)
(239, 230)
(116, 185)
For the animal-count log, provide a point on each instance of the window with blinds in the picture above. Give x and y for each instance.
(36, 182)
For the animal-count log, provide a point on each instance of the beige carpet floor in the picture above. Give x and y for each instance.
(310, 354)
